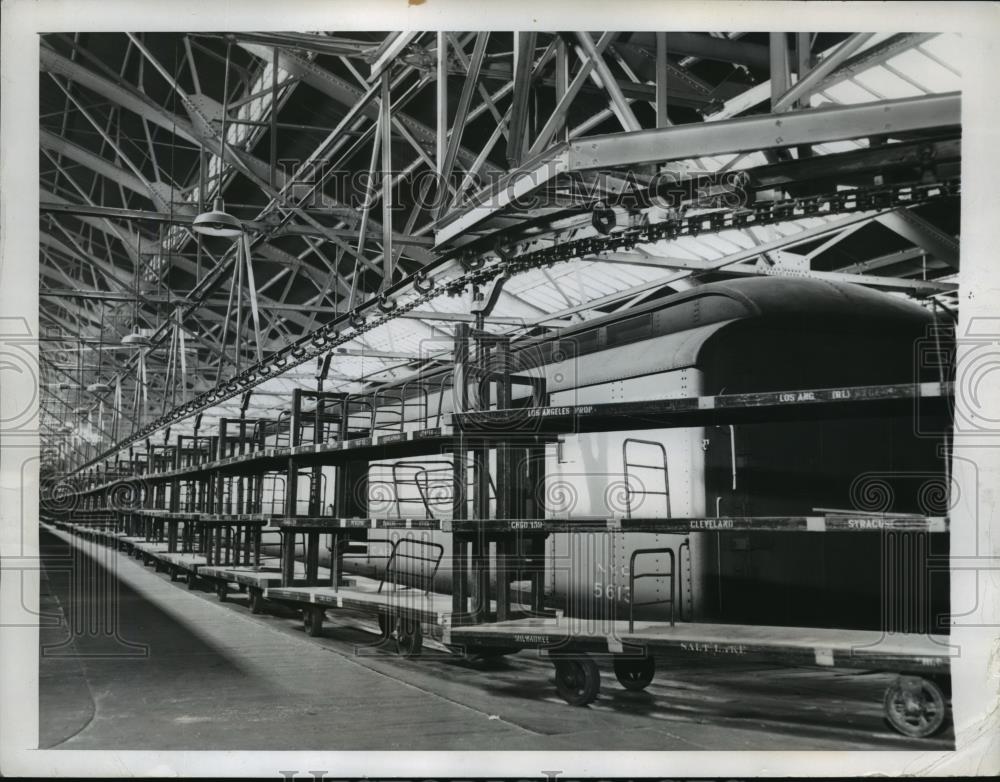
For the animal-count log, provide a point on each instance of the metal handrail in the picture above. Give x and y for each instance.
(642, 466)
(425, 488)
(282, 430)
(419, 468)
(384, 410)
(685, 544)
(633, 577)
(356, 399)
(394, 555)
(307, 495)
(275, 480)
(423, 404)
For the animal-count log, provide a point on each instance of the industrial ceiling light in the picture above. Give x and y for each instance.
(97, 386)
(217, 222)
(136, 339)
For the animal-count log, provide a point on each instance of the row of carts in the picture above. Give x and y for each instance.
(224, 510)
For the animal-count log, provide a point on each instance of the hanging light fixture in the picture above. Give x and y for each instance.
(218, 222)
(136, 339)
(97, 387)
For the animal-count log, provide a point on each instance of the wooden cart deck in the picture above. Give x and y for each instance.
(266, 576)
(809, 646)
(416, 604)
(185, 561)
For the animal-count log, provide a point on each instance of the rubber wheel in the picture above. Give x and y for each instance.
(173, 574)
(404, 635)
(577, 681)
(192, 580)
(222, 590)
(409, 637)
(914, 706)
(256, 601)
(635, 673)
(312, 620)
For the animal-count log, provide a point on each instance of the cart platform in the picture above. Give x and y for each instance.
(810, 646)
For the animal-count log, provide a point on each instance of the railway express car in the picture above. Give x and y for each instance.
(726, 337)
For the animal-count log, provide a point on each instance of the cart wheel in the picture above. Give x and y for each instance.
(222, 590)
(635, 674)
(914, 706)
(256, 601)
(312, 620)
(577, 681)
(409, 637)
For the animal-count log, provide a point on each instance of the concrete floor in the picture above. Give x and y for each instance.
(185, 671)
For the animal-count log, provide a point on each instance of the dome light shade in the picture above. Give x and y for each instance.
(136, 340)
(217, 222)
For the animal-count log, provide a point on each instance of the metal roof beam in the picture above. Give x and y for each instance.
(125, 96)
(914, 228)
(694, 140)
(719, 49)
(347, 94)
(749, 134)
(866, 59)
(93, 161)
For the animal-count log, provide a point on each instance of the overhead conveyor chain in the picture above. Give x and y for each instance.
(764, 213)
(488, 260)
